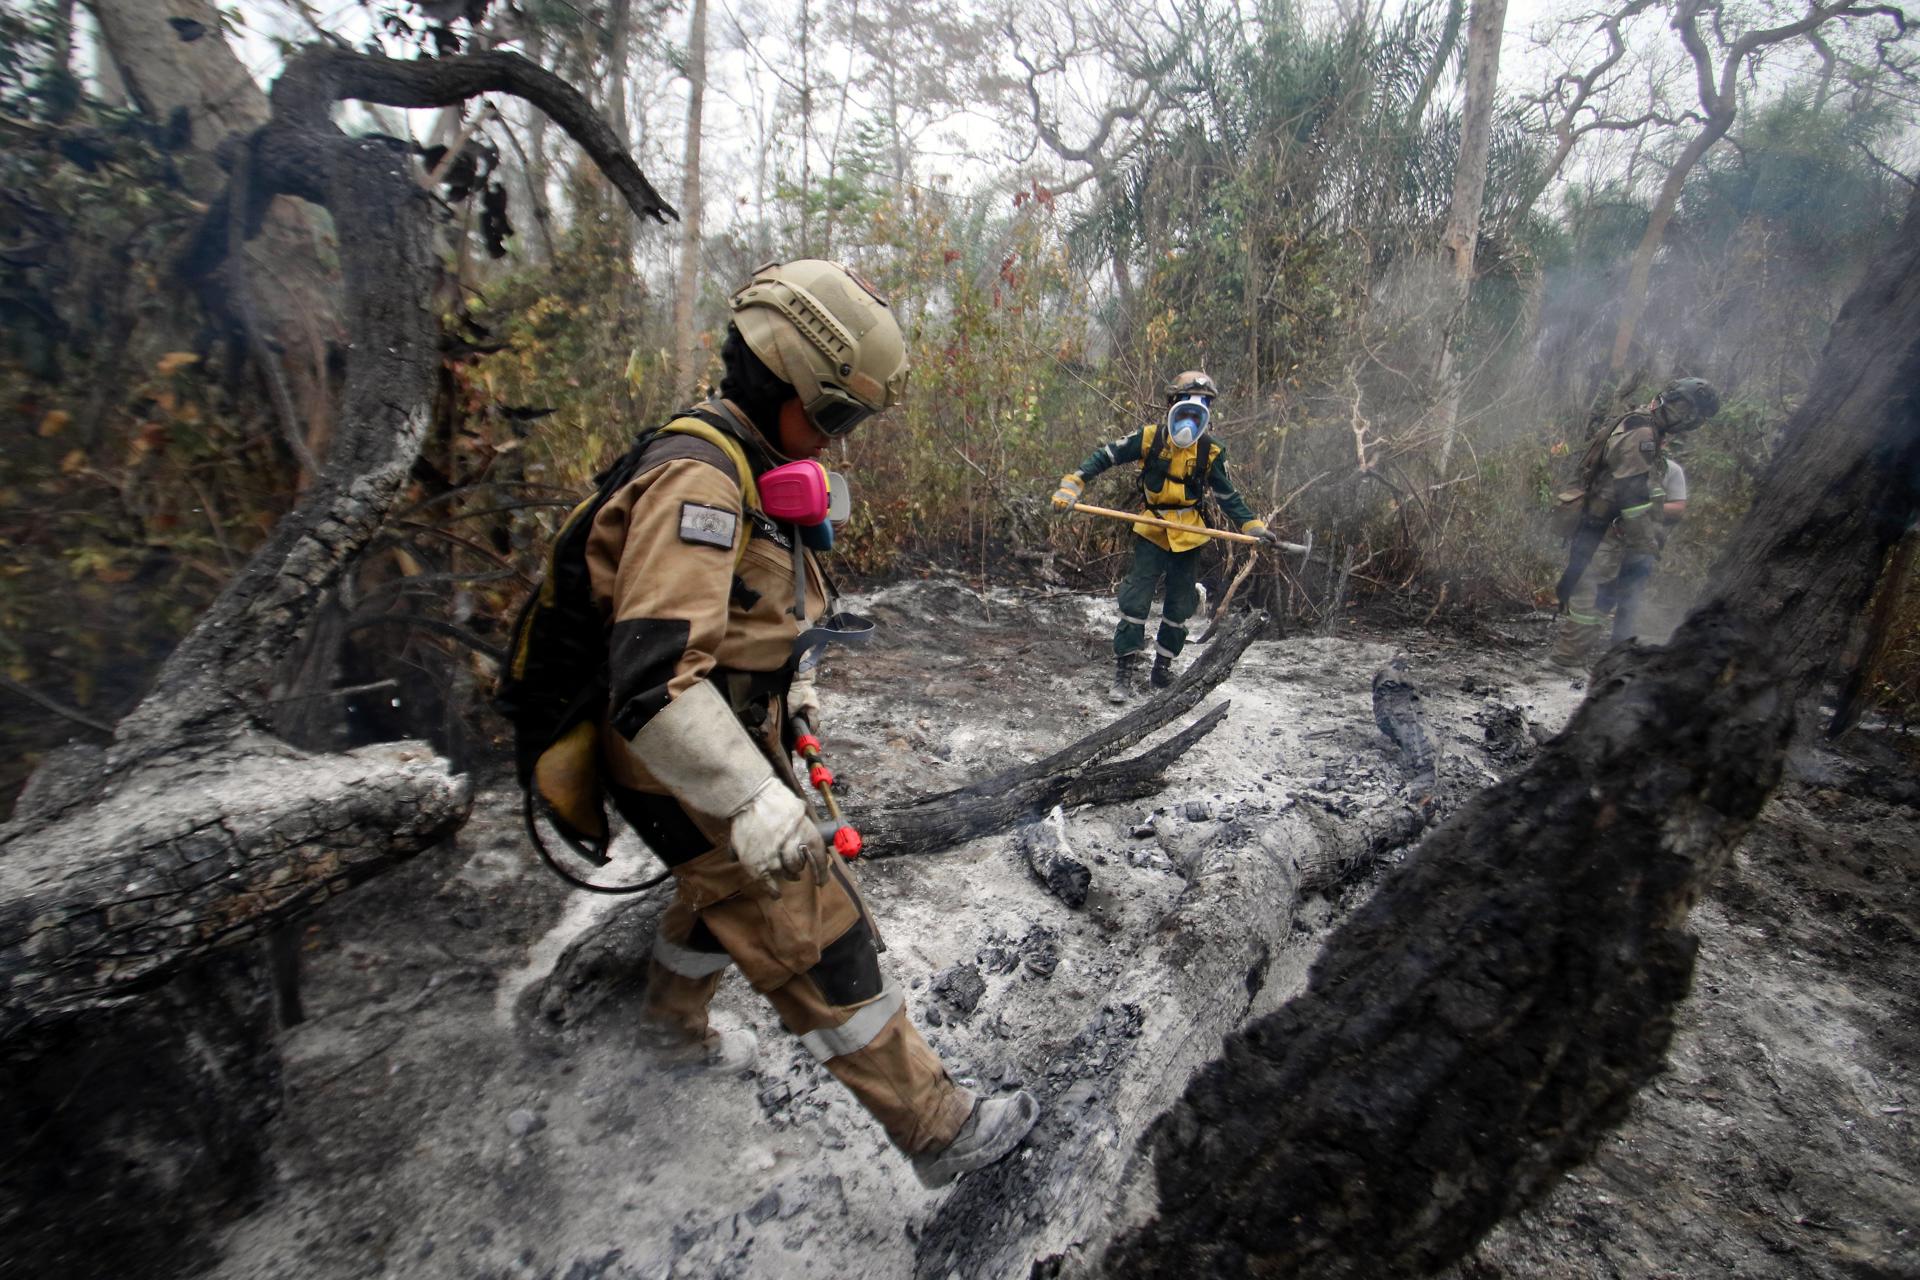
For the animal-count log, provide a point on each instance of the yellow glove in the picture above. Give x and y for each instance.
(1071, 487)
(1258, 529)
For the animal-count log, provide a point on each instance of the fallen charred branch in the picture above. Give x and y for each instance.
(929, 826)
(1072, 775)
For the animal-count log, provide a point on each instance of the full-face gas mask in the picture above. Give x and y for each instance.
(1187, 420)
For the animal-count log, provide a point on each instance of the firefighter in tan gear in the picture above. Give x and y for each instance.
(707, 596)
(1622, 515)
(1179, 464)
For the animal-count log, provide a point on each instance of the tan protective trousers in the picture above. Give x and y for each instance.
(721, 915)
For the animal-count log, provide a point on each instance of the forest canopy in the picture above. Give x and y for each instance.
(1417, 297)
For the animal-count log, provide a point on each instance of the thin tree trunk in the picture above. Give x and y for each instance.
(686, 292)
(286, 295)
(1442, 55)
(1634, 304)
(806, 128)
(620, 39)
(1485, 28)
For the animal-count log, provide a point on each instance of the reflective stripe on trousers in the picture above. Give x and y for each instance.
(857, 1032)
(687, 962)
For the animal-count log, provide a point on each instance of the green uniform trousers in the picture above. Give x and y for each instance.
(1151, 562)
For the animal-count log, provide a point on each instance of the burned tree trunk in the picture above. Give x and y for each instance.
(1486, 1018)
(126, 872)
(1190, 986)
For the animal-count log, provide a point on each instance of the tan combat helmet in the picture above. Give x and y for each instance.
(1192, 383)
(828, 334)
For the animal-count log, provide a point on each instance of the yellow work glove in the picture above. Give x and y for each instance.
(1258, 529)
(1071, 487)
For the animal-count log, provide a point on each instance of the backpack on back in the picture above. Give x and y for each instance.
(1570, 503)
(554, 688)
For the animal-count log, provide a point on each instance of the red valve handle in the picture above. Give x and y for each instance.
(806, 744)
(846, 842)
(820, 776)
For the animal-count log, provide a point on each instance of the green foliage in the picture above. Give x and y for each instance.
(134, 477)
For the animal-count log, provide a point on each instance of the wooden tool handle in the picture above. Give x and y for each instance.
(1133, 517)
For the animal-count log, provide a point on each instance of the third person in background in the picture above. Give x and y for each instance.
(1180, 462)
(1622, 507)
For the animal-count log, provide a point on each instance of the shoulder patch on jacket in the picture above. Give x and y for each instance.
(708, 526)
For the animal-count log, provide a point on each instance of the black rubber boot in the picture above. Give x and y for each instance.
(1126, 677)
(1162, 674)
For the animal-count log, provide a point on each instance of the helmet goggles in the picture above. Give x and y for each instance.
(834, 413)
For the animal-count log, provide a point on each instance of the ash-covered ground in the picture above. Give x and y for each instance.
(432, 1128)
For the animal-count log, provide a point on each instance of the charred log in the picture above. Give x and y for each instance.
(1044, 847)
(1057, 1205)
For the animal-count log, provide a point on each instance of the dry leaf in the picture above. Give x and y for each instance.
(172, 362)
(74, 463)
(54, 423)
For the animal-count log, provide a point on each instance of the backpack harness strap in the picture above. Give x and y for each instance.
(1155, 449)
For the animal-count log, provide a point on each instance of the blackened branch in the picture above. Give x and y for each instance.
(320, 76)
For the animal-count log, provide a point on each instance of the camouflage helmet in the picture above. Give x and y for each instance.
(1697, 393)
(829, 335)
(1192, 383)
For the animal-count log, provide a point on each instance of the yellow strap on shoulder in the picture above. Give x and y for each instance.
(742, 469)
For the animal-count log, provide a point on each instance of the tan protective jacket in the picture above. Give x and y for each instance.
(662, 557)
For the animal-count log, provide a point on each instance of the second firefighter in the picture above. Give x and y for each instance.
(1180, 462)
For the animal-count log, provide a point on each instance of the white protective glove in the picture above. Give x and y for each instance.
(697, 749)
(774, 837)
(803, 698)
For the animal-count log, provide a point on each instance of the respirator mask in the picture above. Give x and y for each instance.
(809, 496)
(1187, 421)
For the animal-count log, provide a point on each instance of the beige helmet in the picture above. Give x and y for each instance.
(827, 333)
(1192, 383)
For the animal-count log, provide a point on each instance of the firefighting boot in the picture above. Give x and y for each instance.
(1126, 677)
(996, 1127)
(1162, 674)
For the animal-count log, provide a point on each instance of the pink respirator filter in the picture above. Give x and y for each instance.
(801, 493)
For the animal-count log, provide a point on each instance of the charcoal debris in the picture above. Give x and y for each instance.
(1050, 858)
(959, 988)
(1398, 711)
